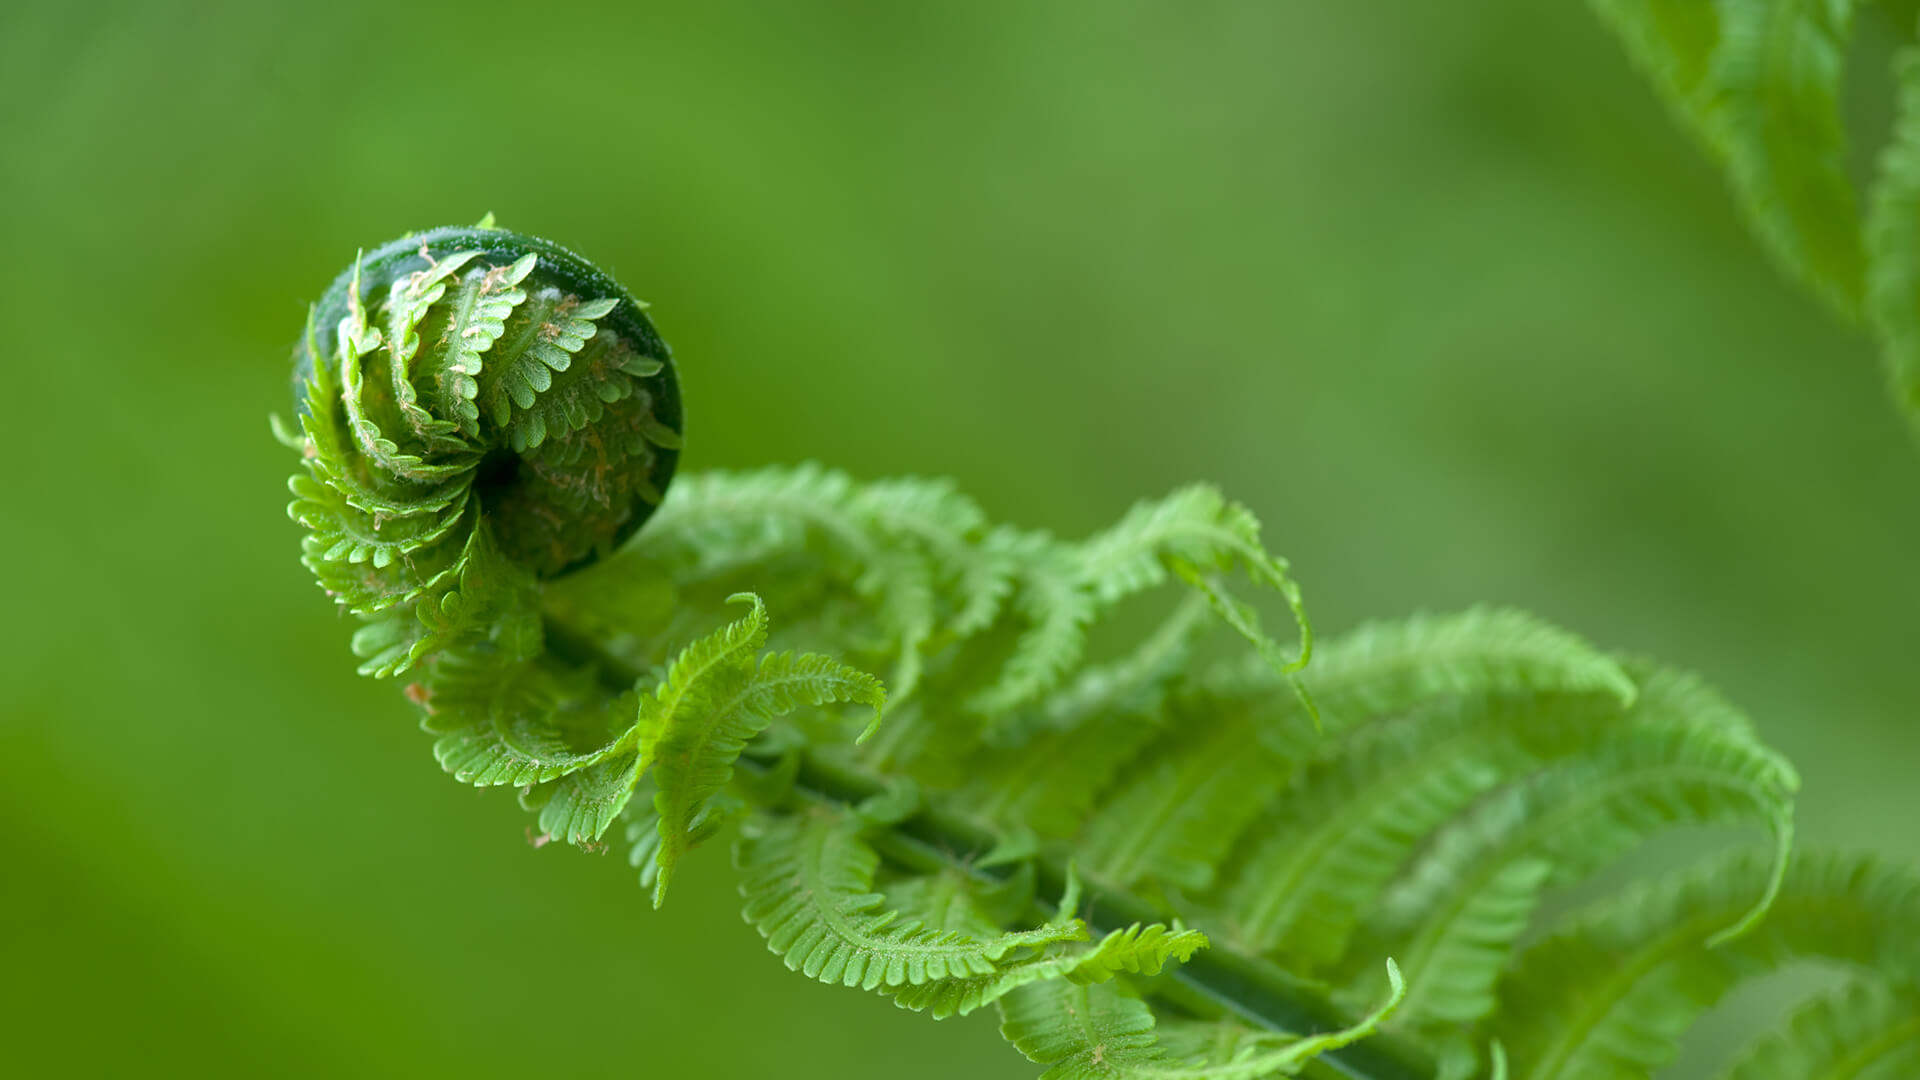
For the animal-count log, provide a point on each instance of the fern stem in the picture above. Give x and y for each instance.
(1211, 985)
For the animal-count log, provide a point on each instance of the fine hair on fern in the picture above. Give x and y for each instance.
(1210, 854)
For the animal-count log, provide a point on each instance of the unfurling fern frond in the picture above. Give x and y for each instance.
(1152, 872)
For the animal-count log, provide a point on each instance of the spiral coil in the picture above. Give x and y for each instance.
(469, 392)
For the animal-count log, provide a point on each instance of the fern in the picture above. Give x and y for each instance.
(1759, 83)
(809, 889)
(1893, 241)
(1085, 1032)
(1866, 1031)
(1150, 868)
(695, 743)
(1611, 994)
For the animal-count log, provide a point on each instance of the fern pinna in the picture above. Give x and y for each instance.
(1761, 85)
(1155, 862)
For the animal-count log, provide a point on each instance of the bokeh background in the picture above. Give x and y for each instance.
(1436, 288)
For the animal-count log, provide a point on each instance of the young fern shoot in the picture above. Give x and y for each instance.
(1150, 865)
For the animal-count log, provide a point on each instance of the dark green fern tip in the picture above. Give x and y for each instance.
(470, 375)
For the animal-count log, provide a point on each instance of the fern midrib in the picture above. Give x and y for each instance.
(1227, 983)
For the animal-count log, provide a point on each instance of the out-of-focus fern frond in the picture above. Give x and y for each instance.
(1865, 1031)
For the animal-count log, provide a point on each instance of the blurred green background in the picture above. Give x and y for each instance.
(1436, 288)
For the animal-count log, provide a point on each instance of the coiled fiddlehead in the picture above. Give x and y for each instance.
(469, 395)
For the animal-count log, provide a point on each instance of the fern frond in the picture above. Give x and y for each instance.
(581, 807)
(1673, 42)
(1174, 819)
(1135, 685)
(695, 749)
(388, 644)
(1758, 82)
(1385, 668)
(342, 532)
(326, 450)
(1454, 919)
(548, 328)
(1080, 1032)
(1610, 995)
(1457, 957)
(1864, 1031)
(1893, 242)
(808, 883)
(720, 521)
(643, 833)
(1477, 759)
(408, 301)
(949, 527)
(1775, 117)
(502, 722)
(1093, 1032)
(717, 520)
(1195, 527)
(690, 681)
(375, 416)
(952, 898)
(1053, 599)
(543, 402)
(1137, 949)
(467, 329)
(1024, 787)
(1327, 849)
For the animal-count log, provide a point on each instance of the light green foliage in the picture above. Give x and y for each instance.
(1084, 1032)
(696, 725)
(1893, 240)
(1470, 764)
(1760, 84)
(808, 881)
(1249, 866)
(1609, 995)
(1867, 1031)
